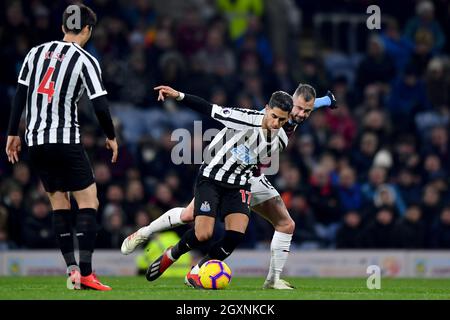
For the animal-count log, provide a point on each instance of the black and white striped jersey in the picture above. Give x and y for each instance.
(241, 146)
(56, 74)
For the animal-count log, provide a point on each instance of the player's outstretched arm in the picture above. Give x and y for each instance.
(233, 118)
(194, 102)
(13, 144)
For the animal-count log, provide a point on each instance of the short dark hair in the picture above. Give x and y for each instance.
(306, 91)
(282, 100)
(87, 18)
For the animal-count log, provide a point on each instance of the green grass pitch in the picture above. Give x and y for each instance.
(137, 288)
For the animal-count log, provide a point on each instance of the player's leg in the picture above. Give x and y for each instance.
(47, 162)
(168, 220)
(276, 213)
(207, 199)
(62, 219)
(191, 239)
(234, 208)
(80, 181)
(235, 226)
(86, 227)
(267, 202)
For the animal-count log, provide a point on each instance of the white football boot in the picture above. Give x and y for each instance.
(132, 242)
(279, 284)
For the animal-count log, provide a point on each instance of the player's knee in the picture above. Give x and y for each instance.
(60, 205)
(89, 203)
(187, 215)
(286, 225)
(203, 235)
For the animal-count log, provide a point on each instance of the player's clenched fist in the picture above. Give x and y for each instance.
(166, 92)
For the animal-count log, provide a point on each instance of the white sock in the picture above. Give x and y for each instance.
(168, 220)
(279, 251)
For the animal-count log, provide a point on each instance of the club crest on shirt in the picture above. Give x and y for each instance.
(244, 155)
(205, 207)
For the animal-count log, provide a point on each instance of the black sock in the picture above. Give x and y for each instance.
(63, 228)
(187, 243)
(224, 247)
(86, 234)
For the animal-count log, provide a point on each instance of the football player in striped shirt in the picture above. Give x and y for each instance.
(266, 200)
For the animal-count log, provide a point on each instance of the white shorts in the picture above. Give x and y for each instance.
(261, 189)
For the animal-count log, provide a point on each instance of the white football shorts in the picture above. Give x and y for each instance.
(261, 189)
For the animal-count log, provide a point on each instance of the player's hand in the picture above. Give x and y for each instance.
(166, 92)
(112, 145)
(13, 148)
(333, 104)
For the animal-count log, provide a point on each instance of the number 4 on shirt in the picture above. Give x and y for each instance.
(47, 87)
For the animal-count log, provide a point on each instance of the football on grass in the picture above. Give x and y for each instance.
(214, 274)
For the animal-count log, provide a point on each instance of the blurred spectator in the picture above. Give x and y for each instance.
(134, 199)
(43, 30)
(340, 121)
(21, 175)
(405, 154)
(138, 82)
(191, 32)
(16, 213)
(380, 232)
(441, 231)
(37, 229)
(431, 205)
(254, 39)
(424, 20)
(348, 235)
(4, 245)
(324, 200)
(437, 83)
(432, 168)
(408, 96)
(112, 233)
(162, 200)
(238, 13)
(386, 196)
(398, 47)
(376, 66)
(410, 231)
(310, 71)
(305, 154)
(254, 87)
(377, 122)
(408, 186)
(216, 57)
(114, 194)
(438, 144)
(305, 234)
(422, 53)
(103, 178)
(362, 158)
(350, 193)
(142, 219)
